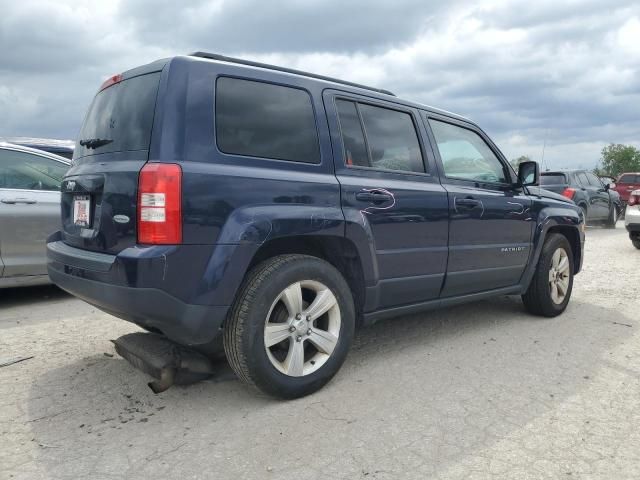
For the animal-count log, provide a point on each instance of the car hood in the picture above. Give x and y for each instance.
(541, 192)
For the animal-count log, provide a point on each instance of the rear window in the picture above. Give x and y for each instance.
(553, 179)
(629, 179)
(120, 117)
(264, 120)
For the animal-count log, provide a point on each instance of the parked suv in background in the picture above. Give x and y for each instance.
(279, 209)
(29, 212)
(598, 202)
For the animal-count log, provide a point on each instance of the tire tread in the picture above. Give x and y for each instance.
(236, 321)
(535, 297)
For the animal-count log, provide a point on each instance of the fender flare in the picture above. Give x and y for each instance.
(548, 218)
(247, 229)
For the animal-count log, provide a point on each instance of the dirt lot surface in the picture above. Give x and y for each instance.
(479, 391)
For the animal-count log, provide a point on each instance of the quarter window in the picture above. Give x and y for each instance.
(388, 141)
(465, 155)
(263, 120)
(24, 171)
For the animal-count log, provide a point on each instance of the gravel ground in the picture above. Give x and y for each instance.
(478, 391)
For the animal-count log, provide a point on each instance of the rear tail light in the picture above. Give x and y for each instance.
(160, 204)
(569, 192)
(634, 198)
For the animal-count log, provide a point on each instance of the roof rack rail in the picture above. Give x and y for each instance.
(223, 58)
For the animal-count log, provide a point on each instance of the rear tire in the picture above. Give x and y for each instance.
(550, 289)
(636, 243)
(584, 213)
(291, 326)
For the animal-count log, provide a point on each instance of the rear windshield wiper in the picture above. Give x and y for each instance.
(94, 142)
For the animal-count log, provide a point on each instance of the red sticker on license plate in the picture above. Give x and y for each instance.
(82, 210)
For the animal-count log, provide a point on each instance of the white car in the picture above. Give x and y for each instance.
(632, 218)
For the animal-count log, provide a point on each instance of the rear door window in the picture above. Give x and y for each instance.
(260, 119)
(393, 140)
(354, 144)
(25, 171)
(379, 138)
(120, 117)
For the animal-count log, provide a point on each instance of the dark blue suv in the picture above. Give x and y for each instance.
(216, 199)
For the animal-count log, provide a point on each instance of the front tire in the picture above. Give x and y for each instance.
(291, 326)
(636, 242)
(551, 286)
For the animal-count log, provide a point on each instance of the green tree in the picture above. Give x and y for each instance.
(618, 158)
(515, 163)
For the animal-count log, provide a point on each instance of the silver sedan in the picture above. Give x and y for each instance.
(29, 212)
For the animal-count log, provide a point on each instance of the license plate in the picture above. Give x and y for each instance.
(82, 210)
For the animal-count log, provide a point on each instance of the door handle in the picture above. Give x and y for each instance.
(13, 201)
(374, 196)
(467, 203)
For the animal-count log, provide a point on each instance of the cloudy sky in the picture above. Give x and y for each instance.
(565, 71)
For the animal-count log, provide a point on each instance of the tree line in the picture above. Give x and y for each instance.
(615, 159)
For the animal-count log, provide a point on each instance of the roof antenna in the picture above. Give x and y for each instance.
(544, 146)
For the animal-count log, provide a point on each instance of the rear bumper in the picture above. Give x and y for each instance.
(116, 284)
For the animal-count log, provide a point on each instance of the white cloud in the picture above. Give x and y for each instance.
(523, 70)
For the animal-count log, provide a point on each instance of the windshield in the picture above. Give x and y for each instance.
(553, 179)
(120, 117)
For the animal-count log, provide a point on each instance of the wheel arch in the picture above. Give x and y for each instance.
(566, 221)
(583, 204)
(336, 250)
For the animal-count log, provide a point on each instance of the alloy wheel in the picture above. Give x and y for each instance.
(559, 275)
(302, 328)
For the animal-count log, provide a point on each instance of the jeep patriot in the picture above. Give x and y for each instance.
(214, 199)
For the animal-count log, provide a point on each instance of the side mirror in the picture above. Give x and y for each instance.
(528, 174)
